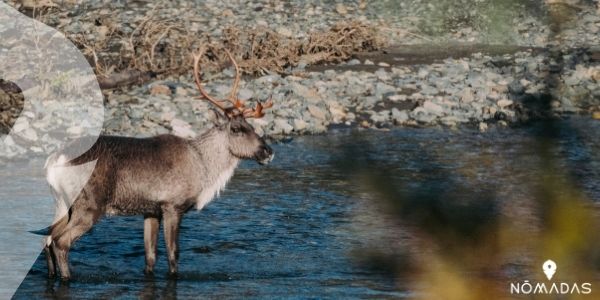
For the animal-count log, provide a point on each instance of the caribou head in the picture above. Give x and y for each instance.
(230, 118)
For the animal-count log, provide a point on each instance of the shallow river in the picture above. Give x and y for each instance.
(296, 228)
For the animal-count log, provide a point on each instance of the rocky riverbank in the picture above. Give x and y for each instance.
(478, 90)
(461, 77)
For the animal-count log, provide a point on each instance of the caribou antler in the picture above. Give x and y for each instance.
(238, 106)
(215, 102)
(258, 111)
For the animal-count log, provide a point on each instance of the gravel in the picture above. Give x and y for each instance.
(479, 95)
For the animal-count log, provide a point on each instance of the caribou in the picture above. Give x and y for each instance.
(160, 177)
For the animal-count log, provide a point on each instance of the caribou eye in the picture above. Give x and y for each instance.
(236, 129)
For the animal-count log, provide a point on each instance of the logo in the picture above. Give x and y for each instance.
(549, 268)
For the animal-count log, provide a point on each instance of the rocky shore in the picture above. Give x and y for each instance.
(553, 70)
(479, 90)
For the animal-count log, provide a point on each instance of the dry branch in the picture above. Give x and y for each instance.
(157, 46)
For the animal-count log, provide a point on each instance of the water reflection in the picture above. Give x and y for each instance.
(150, 290)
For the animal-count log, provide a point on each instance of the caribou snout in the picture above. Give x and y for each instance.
(264, 155)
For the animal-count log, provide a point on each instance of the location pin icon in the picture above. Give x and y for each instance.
(549, 268)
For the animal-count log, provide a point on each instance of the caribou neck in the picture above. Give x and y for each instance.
(214, 152)
(216, 162)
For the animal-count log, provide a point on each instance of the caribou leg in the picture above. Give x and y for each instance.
(50, 260)
(171, 219)
(50, 255)
(151, 224)
(83, 217)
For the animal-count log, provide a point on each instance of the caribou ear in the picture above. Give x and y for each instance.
(218, 118)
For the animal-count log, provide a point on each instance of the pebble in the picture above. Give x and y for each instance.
(245, 94)
(267, 79)
(341, 9)
(29, 134)
(337, 113)
(75, 130)
(516, 88)
(382, 74)
(36, 149)
(450, 121)
(305, 92)
(504, 103)
(8, 141)
(282, 126)
(399, 116)
(167, 116)
(285, 31)
(595, 74)
(160, 89)
(433, 108)
(382, 88)
(353, 62)
(228, 13)
(424, 118)
(300, 125)
(181, 91)
(483, 127)
(467, 96)
(316, 112)
(397, 97)
(380, 117)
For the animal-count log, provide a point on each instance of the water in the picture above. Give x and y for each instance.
(299, 227)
